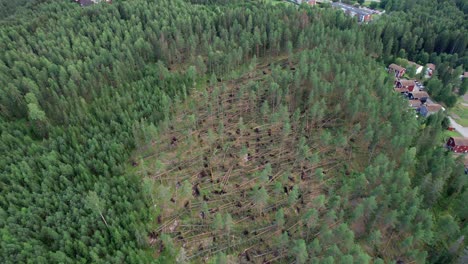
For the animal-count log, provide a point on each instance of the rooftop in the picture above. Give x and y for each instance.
(433, 107)
(431, 66)
(460, 141)
(401, 90)
(352, 9)
(420, 94)
(405, 82)
(415, 103)
(396, 67)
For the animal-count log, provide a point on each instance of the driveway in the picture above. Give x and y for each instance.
(459, 128)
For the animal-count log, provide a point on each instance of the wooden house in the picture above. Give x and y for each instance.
(408, 84)
(397, 70)
(429, 109)
(458, 144)
(415, 104)
(422, 96)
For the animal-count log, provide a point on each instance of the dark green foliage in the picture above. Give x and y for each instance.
(423, 28)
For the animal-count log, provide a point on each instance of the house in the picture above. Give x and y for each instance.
(361, 14)
(404, 91)
(422, 96)
(408, 84)
(415, 104)
(91, 2)
(312, 2)
(458, 144)
(430, 68)
(397, 70)
(429, 109)
(418, 67)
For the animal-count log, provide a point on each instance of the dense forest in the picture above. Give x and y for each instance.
(429, 31)
(220, 131)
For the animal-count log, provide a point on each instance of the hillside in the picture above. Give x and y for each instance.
(214, 131)
(269, 166)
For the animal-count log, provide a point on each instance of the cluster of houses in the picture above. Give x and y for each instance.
(420, 101)
(363, 14)
(91, 2)
(412, 90)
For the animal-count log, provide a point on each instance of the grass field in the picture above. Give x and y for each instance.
(460, 114)
(448, 134)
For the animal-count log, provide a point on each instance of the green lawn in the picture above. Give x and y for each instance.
(460, 114)
(448, 134)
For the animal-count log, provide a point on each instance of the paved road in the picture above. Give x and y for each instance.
(459, 128)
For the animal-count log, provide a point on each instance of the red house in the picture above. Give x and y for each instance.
(458, 144)
(396, 69)
(408, 84)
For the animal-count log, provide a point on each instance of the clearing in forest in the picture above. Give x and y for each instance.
(235, 170)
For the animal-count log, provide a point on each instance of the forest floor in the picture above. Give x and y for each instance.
(226, 173)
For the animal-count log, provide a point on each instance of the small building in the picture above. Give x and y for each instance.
(429, 109)
(421, 96)
(415, 104)
(430, 69)
(404, 91)
(458, 144)
(418, 67)
(362, 15)
(311, 2)
(408, 84)
(397, 70)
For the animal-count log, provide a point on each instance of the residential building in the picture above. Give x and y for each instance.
(430, 69)
(91, 2)
(397, 70)
(418, 67)
(362, 15)
(458, 144)
(404, 83)
(429, 109)
(415, 104)
(422, 96)
(404, 91)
